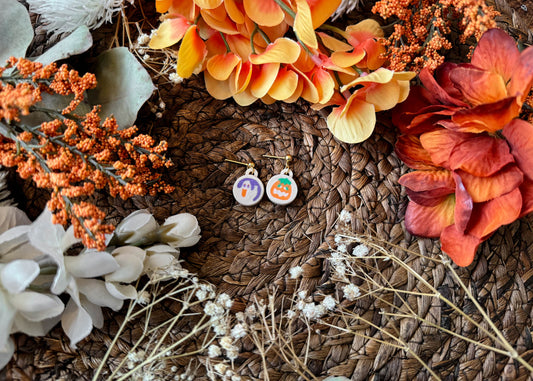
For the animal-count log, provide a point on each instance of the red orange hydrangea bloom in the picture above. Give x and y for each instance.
(473, 158)
(242, 48)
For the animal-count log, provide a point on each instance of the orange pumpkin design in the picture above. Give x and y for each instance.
(281, 189)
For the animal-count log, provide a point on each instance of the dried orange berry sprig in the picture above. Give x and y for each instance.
(422, 33)
(72, 155)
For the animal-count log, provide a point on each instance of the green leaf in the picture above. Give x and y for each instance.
(77, 42)
(54, 102)
(16, 31)
(123, 86)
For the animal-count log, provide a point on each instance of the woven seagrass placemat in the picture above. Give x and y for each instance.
(246, 251)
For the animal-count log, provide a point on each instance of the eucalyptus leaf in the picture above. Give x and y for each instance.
(16, 31)
(52, 102)
(123, 86)
(79, 41)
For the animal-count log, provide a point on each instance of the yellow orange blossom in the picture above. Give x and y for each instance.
(74, 156)
(243, 50)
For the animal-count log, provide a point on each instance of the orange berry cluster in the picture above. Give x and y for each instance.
(422, 34)
(72, 155)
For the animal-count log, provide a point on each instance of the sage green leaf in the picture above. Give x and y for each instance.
(16, 31)
(79, 41)
(123, 86)
(52, 102)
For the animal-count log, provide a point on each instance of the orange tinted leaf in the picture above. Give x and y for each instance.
(429, 221)
(482, 189)
(353, 122)
(519, 135)
(170, 32)
(191, 54)
(460, 247)
(303, 24)
(490, 215)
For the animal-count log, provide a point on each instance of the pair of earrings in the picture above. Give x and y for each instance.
(281, 189)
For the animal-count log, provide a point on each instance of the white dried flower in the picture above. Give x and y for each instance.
(302, 294)
(291, 314)
(232, 353)
(143, 40)
(175, 78)
(226, 342)
(143, 297)
(225, 300)
(64, 16)
(338, 239)
(296, 272)
(360, 251)
(238, 331)
(340, 270)
(174, 368)
(213, 309)
(345, 217)
(220, 327)
(240, 316)
(351, 291)
(313, 311)
(221, 368)
(235, 377)
(201, 295)
(329, 302)
(214, 351)
(342, 248)
(251, 311)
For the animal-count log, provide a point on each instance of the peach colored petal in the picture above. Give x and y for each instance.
(411, 152)
(240, 78)
(374, 58)
(323, 82)
(479, 86)
(353, 122)
(221, 66)
(309, 91)
(364, 30)
(519, 135)
(483, 189)
(215, 46)
(191, 54)
(268, 100)
(240, 46)
(522, 78)
(218, 19)
(285, 84)
(480, 155)
(263, 78)
(303, 24)
(334, 44)
(186, 8)
(381, 75)
(490, 215)
(421, 181)
(460, 247)
(264, 12)
(217, 89)
(244, 98)
(208, 4)
(486, 117)
(526, 189)
(162, 6)
(283, 50)
(297, 92)
(504, 62)
(347, 59)
(170, 32)
(321, 10)
(235, 10)
(440, 144)
(383, 96)
(429, 221)
(463, 205)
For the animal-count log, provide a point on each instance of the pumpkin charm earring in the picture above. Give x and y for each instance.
(248, 190)
(282, 189)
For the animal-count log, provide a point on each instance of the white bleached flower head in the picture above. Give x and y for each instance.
(226, 342)
(238, 331)
(232, 353)
(180, 230)
(224, 300)
(345, 217)
(138, 228)
(296, 272)
(313, 311)
(329, 302)
(175, 78)
(351, 291)
(360, 251)
(342, 248)
(64, 16)
(214, 351)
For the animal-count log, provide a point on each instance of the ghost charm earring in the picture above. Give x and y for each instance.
(248, 190)
(282, 189)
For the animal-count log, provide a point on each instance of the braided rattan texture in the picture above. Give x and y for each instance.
(246, 251)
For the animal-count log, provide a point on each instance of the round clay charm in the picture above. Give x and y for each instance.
(282, 189)
(248, 189)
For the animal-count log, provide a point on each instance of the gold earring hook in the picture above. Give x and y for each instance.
(287, 158)
(249, 165)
